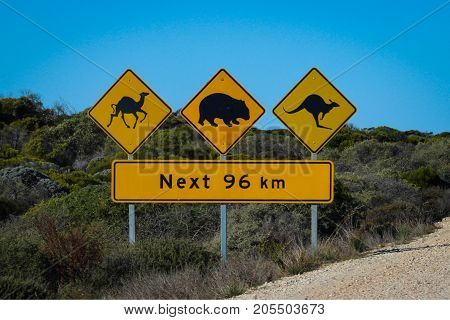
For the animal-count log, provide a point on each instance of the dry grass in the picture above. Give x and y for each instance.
(240, 273)
(224, 281)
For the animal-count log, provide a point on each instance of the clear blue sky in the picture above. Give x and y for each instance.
(176, 47)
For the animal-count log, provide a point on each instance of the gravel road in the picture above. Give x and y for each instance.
(417, 270)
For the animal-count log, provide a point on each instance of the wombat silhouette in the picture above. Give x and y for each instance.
(222, 106)
(127, 105)
(315, 105)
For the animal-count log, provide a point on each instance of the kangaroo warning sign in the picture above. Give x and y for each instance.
(129, 112)
(314, 110)
(219, 181)
(222, 112)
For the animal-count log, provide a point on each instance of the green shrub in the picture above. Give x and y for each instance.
(433, 154)
(86, 206)
(29, 123)
(342, 211)
(197, 222)
(415, 139)
(385, 217)
(435, 204)
(118, 265)
(165, 255)
(386, 134)
(21, 289)
(272, 250)
(423, 177)
(26, 161)
(98, 165)
(74, 138)
(7, 152)
(155, 256)
(12, 109)
(267, 228)
(20, 256)
(74, 180)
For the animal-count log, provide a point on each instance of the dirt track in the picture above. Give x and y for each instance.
(417, 270)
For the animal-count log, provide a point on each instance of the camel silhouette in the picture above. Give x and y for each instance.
(315, 105)
(127, 105)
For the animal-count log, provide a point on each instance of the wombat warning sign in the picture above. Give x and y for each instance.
(222, 112)
(314, 110)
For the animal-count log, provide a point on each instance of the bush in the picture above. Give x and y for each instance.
(100, 164)
(423, 177)
(165, 255)
(220, 282)
(299, 261)
(83, 207)
(433, 154)
(70, 254)
(153, 256)
(196, 222)
(12, 109)
(7, 152)
(74, 180)
(73, 139)
(28, 124)
(385, 217)
(20, 256)
(267, 229)
(21, 289)
(26, 161)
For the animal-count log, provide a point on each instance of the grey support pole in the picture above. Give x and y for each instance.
(314, 217)
(131, 218)
(223, 227)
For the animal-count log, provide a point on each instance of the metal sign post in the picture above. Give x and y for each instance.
(131, 99)
(301, 108)
(223, 226)
(314, 217)
(222, 98)
(131, 218)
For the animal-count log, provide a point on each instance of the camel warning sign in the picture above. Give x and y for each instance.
(222, 111)
(314, 110)
(129, 112)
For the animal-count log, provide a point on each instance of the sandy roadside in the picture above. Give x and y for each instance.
(417, 270)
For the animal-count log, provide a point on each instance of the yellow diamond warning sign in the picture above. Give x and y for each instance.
(129, 112)
(222, 112)
(314, 110)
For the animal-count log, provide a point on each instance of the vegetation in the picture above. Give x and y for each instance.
(390, 186)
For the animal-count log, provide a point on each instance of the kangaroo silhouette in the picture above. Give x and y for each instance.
(315, 105)
(127, 105)
(222, 106)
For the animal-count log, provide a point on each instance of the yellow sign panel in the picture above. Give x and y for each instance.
(314, 110)
(222, 112)
(217, 181)
(129, 112)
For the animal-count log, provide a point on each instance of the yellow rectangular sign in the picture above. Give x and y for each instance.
(222, 181)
